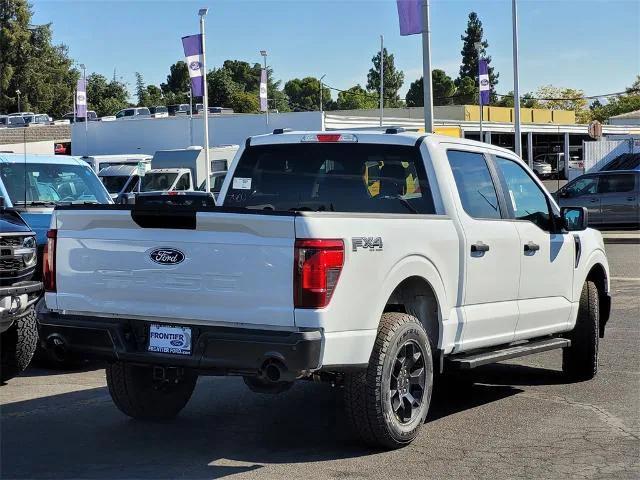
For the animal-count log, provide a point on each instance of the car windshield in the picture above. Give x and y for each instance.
(340, 177)
(157, 181)
(114, 184)
(46, 183)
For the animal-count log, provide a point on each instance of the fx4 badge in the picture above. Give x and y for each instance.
(367, 243)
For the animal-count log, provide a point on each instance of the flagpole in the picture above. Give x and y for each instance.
(205, 100)
(516, 82)
(381, 80)
(426, 68)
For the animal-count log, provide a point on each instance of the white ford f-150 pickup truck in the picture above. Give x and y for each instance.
(374, 260)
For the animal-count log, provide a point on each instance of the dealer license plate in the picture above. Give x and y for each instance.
(170, 339)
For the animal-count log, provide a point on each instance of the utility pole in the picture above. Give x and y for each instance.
(321, 78)
(478, 46)
(516, 81)
(86, 115)
(426, 68)
(381, 80)
(266, 72)
(18, 92)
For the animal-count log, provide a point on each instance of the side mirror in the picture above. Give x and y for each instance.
(574, 219)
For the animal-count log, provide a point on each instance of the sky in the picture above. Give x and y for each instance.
(593, 45)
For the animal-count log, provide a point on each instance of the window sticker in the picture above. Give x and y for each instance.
(513, 201)
(242, 184)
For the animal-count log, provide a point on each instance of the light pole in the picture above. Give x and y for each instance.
(190, 93)
(381, 80)
(426, 67)
(86, 114)
(266, 74)
(18, 92)
(478, 47)
(516, 82)
(321, 78)
(205, 100)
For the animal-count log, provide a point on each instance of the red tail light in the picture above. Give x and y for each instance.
(49, 262)
(317, 267)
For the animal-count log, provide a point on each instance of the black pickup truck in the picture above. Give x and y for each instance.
(18, 293)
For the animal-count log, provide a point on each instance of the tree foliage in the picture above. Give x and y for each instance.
(106, 97)
(356, 98)
(29, 62)
(625, 103)
(304, 94)
(393, 79)
(178, 81)
(560, 98)
(469, 66)
(443, 90)
(528, 100)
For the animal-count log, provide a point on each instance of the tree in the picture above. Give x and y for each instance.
(466, 92)
(105, 97)
(443, 89)
(153, 96)
(141, 90)
(357, 98)
(393, 79)
(304, 94)
(627, 102)
(469, 67)
(221, 88)
(29, 62)
(245, 102)
(558, 98)
(178, 79)
(528, 100)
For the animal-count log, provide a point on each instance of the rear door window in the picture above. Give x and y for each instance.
(616, 183)
(337, 177)
(475, 186)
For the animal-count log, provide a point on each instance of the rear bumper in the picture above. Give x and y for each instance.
(215, 350)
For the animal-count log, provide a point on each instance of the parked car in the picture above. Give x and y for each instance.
(556, 160)
(63, 148)
(369, 260)
(120, 179)
(37, 119)
(542, 169)
(20, 114)
(159, 112)
(134, 112)
(612, 198)
(72, 118)
(179, 109)
(18, 293)
(12, 121)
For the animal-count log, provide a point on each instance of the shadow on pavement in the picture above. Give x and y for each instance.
(224, 430)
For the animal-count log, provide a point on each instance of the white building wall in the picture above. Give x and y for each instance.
(42, 147)
(148, 135)
(597, 154)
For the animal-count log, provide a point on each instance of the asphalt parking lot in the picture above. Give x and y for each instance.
(518, 420)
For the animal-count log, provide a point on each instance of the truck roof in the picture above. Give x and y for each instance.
(375, 136)
(37, 158)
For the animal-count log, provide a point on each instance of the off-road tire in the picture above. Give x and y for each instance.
(367, 397)
(138, 395)
(18, 344)
(580, 360)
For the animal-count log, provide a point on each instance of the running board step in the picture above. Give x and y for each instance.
(473, 360)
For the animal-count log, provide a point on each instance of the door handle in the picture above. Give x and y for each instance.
(594, 200)
(479, 248)
(531, 247)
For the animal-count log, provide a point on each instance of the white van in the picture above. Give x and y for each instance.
(98, 162)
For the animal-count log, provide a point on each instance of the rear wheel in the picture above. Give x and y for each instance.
(388, 402)
(580, 360)
(138, 394)
(18, 345)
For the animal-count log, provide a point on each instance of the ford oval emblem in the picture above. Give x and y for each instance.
(166, 256)
(195, 66)
(177, 343)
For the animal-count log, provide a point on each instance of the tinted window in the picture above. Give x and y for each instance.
(474, 183)
(114, 184)
(153, 182)
(528, 200)
(51, 183)
(582, 186)
(340, 177)
(616, 183)
(143, 111)
(129, 113)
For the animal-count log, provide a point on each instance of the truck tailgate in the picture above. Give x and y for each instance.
(232, 268)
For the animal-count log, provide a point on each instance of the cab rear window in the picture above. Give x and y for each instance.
(334, 177)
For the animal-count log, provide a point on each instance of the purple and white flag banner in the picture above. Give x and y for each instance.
(81, 99)
(410, 15)
(263, 91)
(194, 58)
(483, 81)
